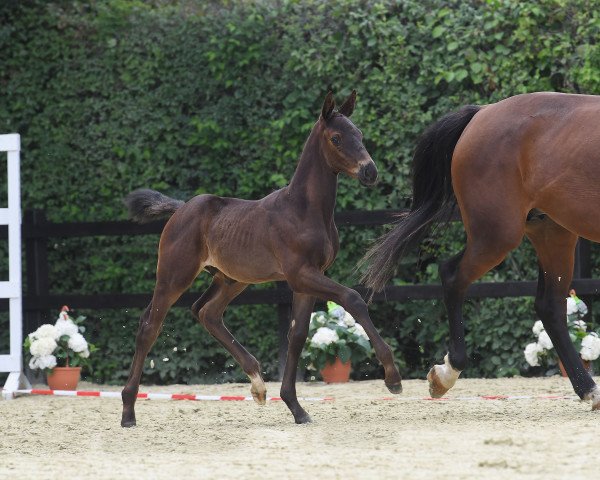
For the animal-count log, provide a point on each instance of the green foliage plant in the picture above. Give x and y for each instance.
(191, 96)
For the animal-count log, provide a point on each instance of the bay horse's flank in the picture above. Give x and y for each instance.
(499, 162)
(288, 235)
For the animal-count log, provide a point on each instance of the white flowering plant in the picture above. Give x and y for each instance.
(332, 334)
(61, 344)
(586, 342)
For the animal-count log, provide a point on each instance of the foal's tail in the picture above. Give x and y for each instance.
(433, 196)
(145, 205)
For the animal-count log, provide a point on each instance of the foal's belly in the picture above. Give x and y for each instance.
(241, 252)
(246, 267)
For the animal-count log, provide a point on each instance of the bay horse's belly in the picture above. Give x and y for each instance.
(566, 181)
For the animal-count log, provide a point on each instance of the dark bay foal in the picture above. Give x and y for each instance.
(288, 235)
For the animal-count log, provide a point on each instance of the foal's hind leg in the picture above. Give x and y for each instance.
(301, 309)
(165, 295)
(311, 281)
(483, 252)
(555, 247)
(178, 265)
(209, 310)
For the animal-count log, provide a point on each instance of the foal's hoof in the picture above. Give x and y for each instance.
(127, 422)
(396, 389)
(259, 397)
(594, 397)
(436, 388)
(303, 418)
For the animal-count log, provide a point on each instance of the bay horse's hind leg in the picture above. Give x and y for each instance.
(489, 239)
(209, 310)
(555, 247)
(301, 309)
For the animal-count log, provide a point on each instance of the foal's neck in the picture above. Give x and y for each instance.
(314, 185)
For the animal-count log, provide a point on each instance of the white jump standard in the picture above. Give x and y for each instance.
(11, 289)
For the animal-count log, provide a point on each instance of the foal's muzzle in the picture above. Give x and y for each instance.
(367, 175)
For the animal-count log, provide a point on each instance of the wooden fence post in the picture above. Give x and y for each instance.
(583, 269)
(36, 267)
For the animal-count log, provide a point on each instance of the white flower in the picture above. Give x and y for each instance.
(317, 317)
(531, 354)
(571, 306)
(581, 307)
(580, 325)
(324, 336)
(337, 312)
(77, 343)
(590, 347)
(349, 320)
(85, 353)
(360, 331)
(538, 327)
(42, 346)
(65, 327)
(544, 340)
(44, 331)
(47, 361)
(33, 363)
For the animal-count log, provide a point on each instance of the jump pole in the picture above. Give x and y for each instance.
(11, 289)
(158, 396)
(241, 398)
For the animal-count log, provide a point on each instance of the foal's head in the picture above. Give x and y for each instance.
(342, 144)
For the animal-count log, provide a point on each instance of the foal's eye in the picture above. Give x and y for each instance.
(336, 140)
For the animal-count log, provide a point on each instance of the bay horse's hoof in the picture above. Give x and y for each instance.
(436, 388)
(396, 389)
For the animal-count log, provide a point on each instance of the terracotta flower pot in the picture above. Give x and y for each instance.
(336, 372)
(586, 364)
(64, 378)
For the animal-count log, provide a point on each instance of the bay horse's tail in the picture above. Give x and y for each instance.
(432, 196)
(145, 205)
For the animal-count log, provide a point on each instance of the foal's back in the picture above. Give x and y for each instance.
(232, 235)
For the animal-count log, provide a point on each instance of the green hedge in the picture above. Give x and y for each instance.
(191, 96)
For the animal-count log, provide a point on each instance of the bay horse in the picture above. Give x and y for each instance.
(287, 235)
(527, 165)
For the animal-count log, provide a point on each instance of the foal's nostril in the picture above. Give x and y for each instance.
(369, 173)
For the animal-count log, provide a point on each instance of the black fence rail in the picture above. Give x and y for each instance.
(38, 300)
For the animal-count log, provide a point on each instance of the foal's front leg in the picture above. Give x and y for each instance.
(312, 281)
(301, 310)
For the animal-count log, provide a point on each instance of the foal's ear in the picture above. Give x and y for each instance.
(348, 106)
(328, 106)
